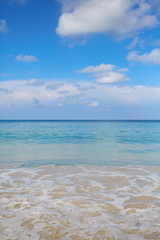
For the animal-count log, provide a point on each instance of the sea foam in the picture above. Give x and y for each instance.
(80, 203)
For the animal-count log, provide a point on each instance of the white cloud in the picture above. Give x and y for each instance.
(35, 82)
(93, 104)
(123, 70)
(95, 69)
(84, 98)
(122, 18)
(23, 91)
(19, 93)
(112, 77)
(151, 58)
(106, 73)
(26, 58)
(3, 26)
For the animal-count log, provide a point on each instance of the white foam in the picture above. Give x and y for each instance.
(84, 201)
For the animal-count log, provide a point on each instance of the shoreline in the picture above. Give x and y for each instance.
(18, 165)
(80, 202)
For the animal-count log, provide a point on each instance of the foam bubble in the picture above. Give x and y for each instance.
(80, 202)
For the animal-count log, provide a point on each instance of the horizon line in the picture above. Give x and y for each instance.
(79, 119)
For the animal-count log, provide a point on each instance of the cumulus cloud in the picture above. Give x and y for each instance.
(123, 70)
(26, 58)
(52, 85)
(93, 104)
(3, 26)
(26, 91)
(112, 77)
(19, 93)
(4, 90)
(106, 73)
(150, 58)
(95, 69)
(35, 82)
(122, 18)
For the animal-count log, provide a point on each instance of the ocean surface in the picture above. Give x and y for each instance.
(80, 180)
(108, 143)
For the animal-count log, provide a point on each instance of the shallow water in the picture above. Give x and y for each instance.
(80, 203)
(119, 143)
(79, 180)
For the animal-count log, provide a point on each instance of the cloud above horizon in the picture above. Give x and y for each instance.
(20, 93)
(149, 58)
(35, 82)
(26, 58)
(104, 16)
(106, 73)
(93, 104)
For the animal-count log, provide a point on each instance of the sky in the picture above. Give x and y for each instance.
(80, 59)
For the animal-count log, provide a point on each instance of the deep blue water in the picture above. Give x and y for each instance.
(34, 143)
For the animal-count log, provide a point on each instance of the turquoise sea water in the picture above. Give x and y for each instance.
(109, 143)
(79, 180)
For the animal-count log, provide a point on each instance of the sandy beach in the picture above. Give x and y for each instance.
(80, 120)
(80, 203)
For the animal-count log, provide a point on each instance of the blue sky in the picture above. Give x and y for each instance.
(72, 59)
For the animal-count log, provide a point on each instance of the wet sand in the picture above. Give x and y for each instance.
(80, 203)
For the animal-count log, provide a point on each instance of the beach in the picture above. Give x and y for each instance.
(80, 120)
(80, 203)
(79, 180)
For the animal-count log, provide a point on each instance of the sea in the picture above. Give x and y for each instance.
(80, 180)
